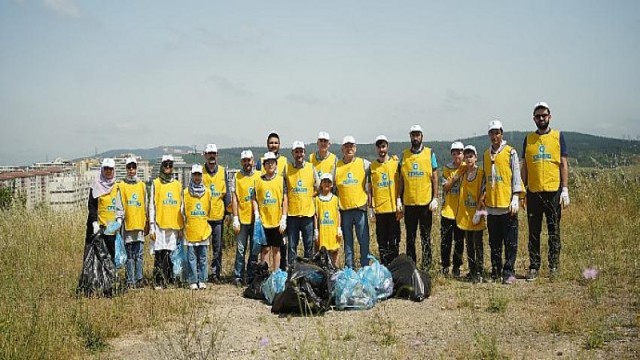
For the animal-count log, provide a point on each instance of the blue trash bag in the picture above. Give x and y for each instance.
(112, 227)
(274, 285)
(259, 237)
(121, 252)
(379, 276)
(353, 292)
(179, 260)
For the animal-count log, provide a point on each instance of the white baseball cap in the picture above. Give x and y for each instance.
(471, 148)
(196, 168)
(210, 148)
(348, 140)
(457, 145)
(246, 154)
(297, 145)
(541, 104)
(130, 160)
(381, 138)
(273, 133)
(323, 135)
(108, 162)
(167, 158)
(495, 124)
(415, 128)
(269, 156)
(326, 176)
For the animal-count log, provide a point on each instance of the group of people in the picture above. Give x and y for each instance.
(324, 200)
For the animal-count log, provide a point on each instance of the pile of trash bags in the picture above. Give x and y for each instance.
(312, 286)
(98, 274)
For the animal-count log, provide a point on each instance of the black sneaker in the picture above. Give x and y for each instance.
(456, 273)
(532, 275)
(445, 272)
(553, 273)
(237, 282)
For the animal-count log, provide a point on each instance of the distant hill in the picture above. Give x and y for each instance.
(584, 150)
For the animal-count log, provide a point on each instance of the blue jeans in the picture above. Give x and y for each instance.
(134, 261)
(355, 218)
(295, 225)
(198, 267)
(244, 240)
(216, 247)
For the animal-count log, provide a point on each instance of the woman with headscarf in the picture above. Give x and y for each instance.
(105, 208)
(165, 221)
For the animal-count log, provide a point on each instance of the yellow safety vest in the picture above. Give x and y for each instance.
(167, 200)
(196, 213)
(470, 192)
(328, 216)
(245, 187)
(383, 185)
(450, 205)
(542, 154)
(107, 206)
(416, 175)
(270, 195)
(218, 189)
(133, 198)
(350, 182)
(324, 166)
(498, 194)
(300, 183)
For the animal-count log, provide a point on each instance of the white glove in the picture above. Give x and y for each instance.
(372, 215)
(152, 231)
(339, 233)
(399, 206)
(96, 227)
(433, 205)
(476, 218)
(564, 197)
(515, 204)
(283, 223)
(236, 224)
(316, 234)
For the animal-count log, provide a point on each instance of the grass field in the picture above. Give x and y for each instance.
(40, 317)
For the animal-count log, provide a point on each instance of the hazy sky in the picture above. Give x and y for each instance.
(76, 76)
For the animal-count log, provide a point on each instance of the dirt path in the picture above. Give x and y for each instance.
(459, 320)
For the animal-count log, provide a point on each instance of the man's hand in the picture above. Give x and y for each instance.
(96, 227)
(515, 204)
(433, 205)
(236, 225)
(283, 224)
(399, 207)
(372, 215)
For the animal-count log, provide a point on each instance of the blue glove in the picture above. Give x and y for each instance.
(112, 227)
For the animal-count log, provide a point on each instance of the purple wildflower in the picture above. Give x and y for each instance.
(264, 341)
(590, 273)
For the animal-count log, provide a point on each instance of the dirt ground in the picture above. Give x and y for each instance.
(457, 321)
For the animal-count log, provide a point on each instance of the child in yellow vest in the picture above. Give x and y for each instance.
(450, 233)
(469, 210)
(327, 231)
(196, 205)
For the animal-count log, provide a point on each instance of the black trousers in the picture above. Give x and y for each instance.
(217, 231)
(450, 234)
(547, 204)
(162, 268)
(503, 234)
(388, 237)
(414, 216)
(475, 255)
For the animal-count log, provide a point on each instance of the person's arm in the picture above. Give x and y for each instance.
(564, 163)
(184, 216)
(92, 206)
(516, 179)
(285, 199)
(400, 183)
(227, 193)
(152, 205)
(119, 207)
(368, 187)
(524, 173)
(434, 183)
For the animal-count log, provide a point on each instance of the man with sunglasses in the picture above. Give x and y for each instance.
(323, 160)
(215, 179)
(545, 172)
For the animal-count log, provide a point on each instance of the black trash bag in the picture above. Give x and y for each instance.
(254, 290)
(98, 274)
(323, 260)
(408, 281)
(306, 291)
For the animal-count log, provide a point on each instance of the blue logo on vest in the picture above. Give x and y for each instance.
(298, 189)
(169, 200)
(541, 155)
(267, 199)
(415, 172)
(198, 211)
(326, 219)
(112, 207)
(385, 181)
(248, 197)
(350, 180)
(134, 201)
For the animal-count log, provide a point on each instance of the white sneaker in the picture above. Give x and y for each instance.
(193, 286)
(202, 285)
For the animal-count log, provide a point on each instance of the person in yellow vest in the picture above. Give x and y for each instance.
(273, 146)
(105, 208)
(323, 160)
(501, 196)
(327, 232)
(165, 221)
(450, 234)
(383, 182)
(469, 212)
(545, 172)
(196, 205)
(352, 189)
(418, 191)
(270, 205)
(133, 196)
(301, 180)
(243, 189)
(215, 179)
